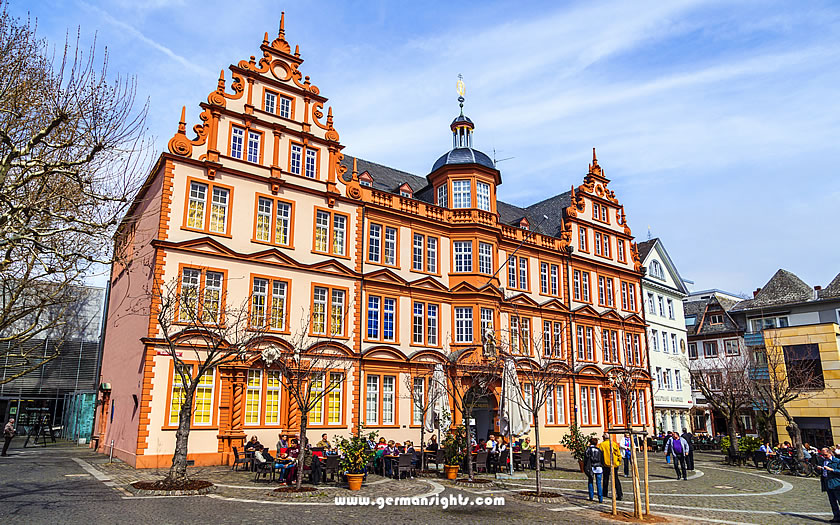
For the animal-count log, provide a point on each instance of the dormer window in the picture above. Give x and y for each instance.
(524, 224)
(406, 191)
(366, 180)
(482, 196)
(656, 270)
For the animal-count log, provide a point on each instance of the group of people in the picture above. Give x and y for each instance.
(786, 449)
(599, 460)
(287, 452)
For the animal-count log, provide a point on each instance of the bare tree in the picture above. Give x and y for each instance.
(196, 326)
(420, 401)
(779, 377)
(471, 375)
(312, 369)
(726, 385)
(71, 157)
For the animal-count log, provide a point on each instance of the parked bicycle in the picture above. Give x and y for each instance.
(784, 462)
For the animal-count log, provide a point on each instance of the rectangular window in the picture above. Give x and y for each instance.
(601, 291)
(442, 200)
(576, 279)
(544, 278)
(555, 279)
(597, 243)
(285, 107)
(654, 339)
(624, 303)
(614, 346)
(651, 304)
(582, 239)
(670, 308)
(388, 313)
(372, 400)
(311, 166)
(254, 146)
(590, 344)
(692, 350)
(523, 273)
(730, 347)
(212, 302)
(463, 325)
(374, 243)
(486, 321)
(334, 408)
(432, 325)
(482, 196)
(560, 408)
(273, 386)
(618, 410)
(178, 393)
(585, 286)
(252, 397)
(558, 341)
(710, 349)
(677, 381)
(665, 342)
(528, 399)
(203, 411)
(619, 248)
(268, 304)
(431, 254)
(327, 311)
(461, 197)
(197, 205)
(322, 231)
(605, 345)
(606, 245)
(637, 350)
(237, 141)
(388, 392)
(418, 401)
(316, 415)
(584, 405)
(417, 325)
(593, 405)
(546, 338)
(295, 155)
(661, 305)
(610, 292)
(550, 413)
(514, 334)
(417, 252)
(581, 351)
(512, 272)
(264, 213)
(389, 254)
(804, 366)
(373, 317)
(188, 305)
(715, 381)
(631, 296)
(270, 102)
(485, 258)
(463, 256)
(219, 210)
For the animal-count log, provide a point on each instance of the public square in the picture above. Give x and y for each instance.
(67, 484)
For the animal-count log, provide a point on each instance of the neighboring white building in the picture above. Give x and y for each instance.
(663, 291)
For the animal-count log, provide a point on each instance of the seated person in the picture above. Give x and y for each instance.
(371, 444)
(282, 442)
(324, 443)
(294, 448)
(433, 444)
(482, 445)
(282, 465)
(252, 445)
(382, 444)
(526, 445)
(766, 448)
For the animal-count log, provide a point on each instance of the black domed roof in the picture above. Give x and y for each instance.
(463, 156)
(461, 119)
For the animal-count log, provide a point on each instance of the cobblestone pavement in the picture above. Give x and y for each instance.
(70, 485)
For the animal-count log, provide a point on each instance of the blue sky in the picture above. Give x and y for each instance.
(717, 124)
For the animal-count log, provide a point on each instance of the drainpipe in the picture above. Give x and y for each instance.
(569, 250)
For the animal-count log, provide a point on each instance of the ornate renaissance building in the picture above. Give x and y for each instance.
(395, 272)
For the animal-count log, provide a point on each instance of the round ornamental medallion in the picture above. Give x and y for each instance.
(599, 190)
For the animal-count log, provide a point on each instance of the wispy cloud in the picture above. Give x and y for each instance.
(185, 62)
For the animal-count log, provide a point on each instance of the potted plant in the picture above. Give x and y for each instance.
(355, 458)
(454, 446)
(576, 442)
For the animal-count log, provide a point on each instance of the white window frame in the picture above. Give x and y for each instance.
(482, 196)
(485, 258)
(463, 324)
(461, 194)
(463, 256)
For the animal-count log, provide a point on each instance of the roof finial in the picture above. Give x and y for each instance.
(182, 125)
(282, 31)
(297, 50)
(221, 85)
(594, 158)
(355, 169)
(265, 38)
(462, 90)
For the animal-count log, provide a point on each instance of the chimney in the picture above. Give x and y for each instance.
(755, 293)
(817, 288)
(817, 292)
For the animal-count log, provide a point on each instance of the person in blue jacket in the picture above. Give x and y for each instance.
(831, 470)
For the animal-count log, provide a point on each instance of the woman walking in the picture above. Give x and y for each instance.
(593, 466)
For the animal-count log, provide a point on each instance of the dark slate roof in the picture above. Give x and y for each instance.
(832, 290)
(783, 288)
(385, 178)
(645, 248)
(390, 179)
(463, 156)
(703, 309)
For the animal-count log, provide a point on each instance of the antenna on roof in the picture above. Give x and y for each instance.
(499, 160)
(648, 232)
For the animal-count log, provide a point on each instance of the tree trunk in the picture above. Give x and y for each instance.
(466, 422)
(423, 443)
(795, 434)
(733, 434)
(178, 470)
(537, 450)
(304, 419)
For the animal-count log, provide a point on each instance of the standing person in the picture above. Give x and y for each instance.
(8, 434)
(593, 467)
(689, 458)
(678, 448)
(612, 457)
(831, 471)
(625, 446)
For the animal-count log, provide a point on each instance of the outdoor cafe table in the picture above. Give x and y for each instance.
(393, 460)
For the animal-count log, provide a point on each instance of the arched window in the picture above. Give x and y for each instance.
(656, 270)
